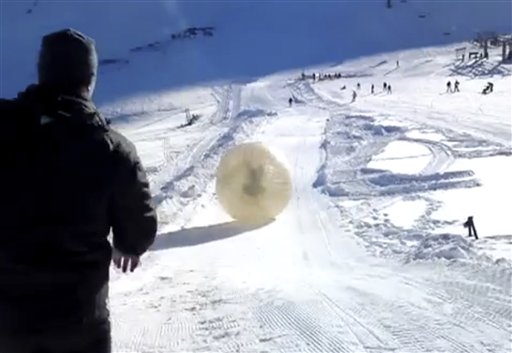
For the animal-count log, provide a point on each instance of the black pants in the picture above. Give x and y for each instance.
(93, 337)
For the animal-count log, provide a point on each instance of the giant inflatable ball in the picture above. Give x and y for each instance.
(252, 185)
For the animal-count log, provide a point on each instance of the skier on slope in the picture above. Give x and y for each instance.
(373, 88)
(456, 86)
(449, 87)
(354, 96)
(68, 179)
(290, 101)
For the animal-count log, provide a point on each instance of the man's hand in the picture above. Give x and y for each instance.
(124, 262)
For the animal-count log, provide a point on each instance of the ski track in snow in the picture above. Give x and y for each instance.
(331, 273)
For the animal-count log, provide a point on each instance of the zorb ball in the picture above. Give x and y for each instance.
(252, 185)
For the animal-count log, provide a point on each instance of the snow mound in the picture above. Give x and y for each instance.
(372, 171)
(335, 190)
(331, 189)
(443, 246)
(254, 113)
(321, 179)
(384, 180)
(381, 130)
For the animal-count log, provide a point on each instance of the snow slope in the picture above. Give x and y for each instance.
(251, 38)
(453, 147)
(370, 255)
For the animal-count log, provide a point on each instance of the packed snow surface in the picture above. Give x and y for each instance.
(370, 255)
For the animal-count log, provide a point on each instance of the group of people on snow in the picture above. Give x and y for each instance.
(321, 77)
(455, 87)
(385, 86)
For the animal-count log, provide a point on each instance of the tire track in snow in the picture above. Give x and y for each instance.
(364, 327)
(425, 332)
(202, 315)
(481, 303)
(455, 311)
(442, 155)
(301, 327)
(415, 328)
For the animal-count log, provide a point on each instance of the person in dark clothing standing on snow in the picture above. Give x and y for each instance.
(449, 87)
(373, 88)
(68, 180)
(385, 86)
(456, 86)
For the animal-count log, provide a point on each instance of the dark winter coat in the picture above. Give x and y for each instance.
(67, 180)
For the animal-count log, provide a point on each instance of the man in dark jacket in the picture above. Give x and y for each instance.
(67, 180)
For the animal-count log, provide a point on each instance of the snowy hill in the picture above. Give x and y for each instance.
(250, 38)
(370, 255)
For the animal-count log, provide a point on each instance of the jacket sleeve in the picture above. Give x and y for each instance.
(133, 216)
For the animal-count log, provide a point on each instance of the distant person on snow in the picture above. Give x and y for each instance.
(290, 101)
(358, 86)
(449, 87)
(489, 88)
(385, 87)
(397, 64)
(373, 88)
(389, 89)
(456, 86)
(68, 179)
(354, 96)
